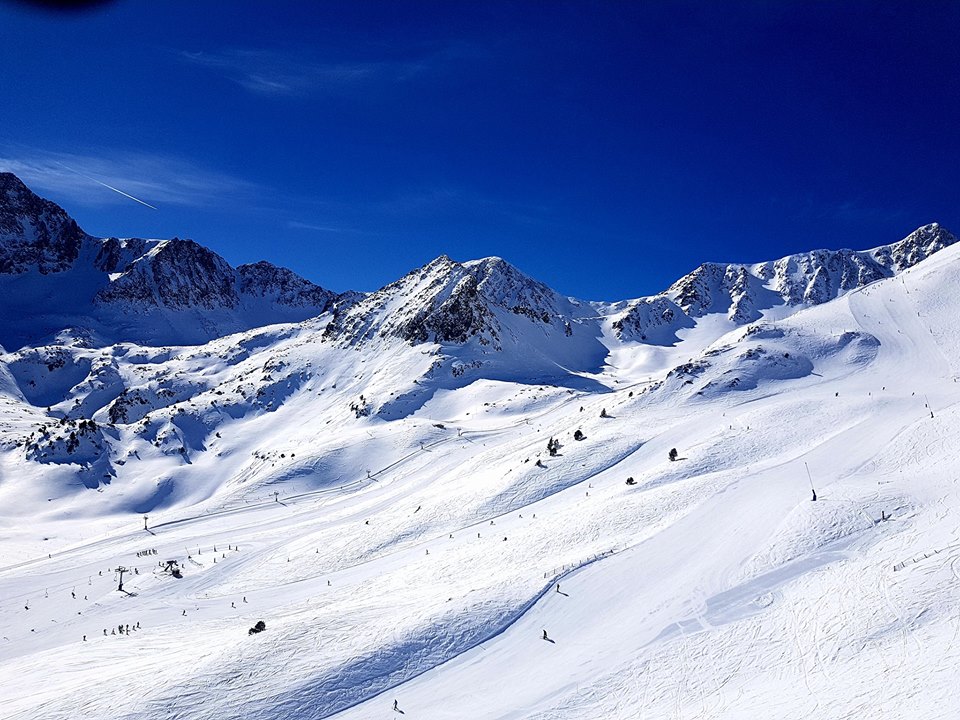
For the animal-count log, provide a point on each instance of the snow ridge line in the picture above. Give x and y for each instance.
(510, 622)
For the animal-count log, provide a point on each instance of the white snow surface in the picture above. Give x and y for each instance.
(420, 559)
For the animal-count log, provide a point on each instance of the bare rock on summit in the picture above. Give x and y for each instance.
(742, 292)
(35, 234)
(54, 277)
(438, 302)
(450, 302)
(268, 281)
(176, 274)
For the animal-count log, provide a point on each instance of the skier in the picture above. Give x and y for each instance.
(396, 706)
(544, 634)
(814, 495)
(558, 587)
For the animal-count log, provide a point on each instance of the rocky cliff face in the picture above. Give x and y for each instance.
(808, 278)
(183, 275)
(438, 302)
(186, 290)
(454, 303)
(263, 280)
(35, 234)
(651, 320)
(742, 292)
(177, 275)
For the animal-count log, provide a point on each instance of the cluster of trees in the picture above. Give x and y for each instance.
(360, 409)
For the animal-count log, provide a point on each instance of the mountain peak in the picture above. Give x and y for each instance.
(920, 244)
(35, 234)
(265, 280)
(180, 290)
(10, 182)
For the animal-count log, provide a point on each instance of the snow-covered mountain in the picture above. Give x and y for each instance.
(54, 276)
(455, 492)
(35, 234)
(446, 324)
(744, 292)
(480, 316)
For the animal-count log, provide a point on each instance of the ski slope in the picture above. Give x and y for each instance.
(418, 560)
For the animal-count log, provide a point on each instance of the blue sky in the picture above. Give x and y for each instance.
(606, 148)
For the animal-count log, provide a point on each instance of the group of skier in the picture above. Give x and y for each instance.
(121, 629)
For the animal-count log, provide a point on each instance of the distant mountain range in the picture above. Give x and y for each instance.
(56, 277)
(134, 348)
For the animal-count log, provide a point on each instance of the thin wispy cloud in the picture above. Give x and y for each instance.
(111, 177)
(336, 229)
(464, 202)
(857, 211)
(269, 72)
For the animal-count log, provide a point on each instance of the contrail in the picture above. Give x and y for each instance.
(109, 187)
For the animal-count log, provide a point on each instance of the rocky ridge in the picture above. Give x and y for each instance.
(742, 292)
(188, 291)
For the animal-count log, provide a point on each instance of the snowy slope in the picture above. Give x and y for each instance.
(374, 483)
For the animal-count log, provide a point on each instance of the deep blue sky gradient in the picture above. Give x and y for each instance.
(605, 148)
